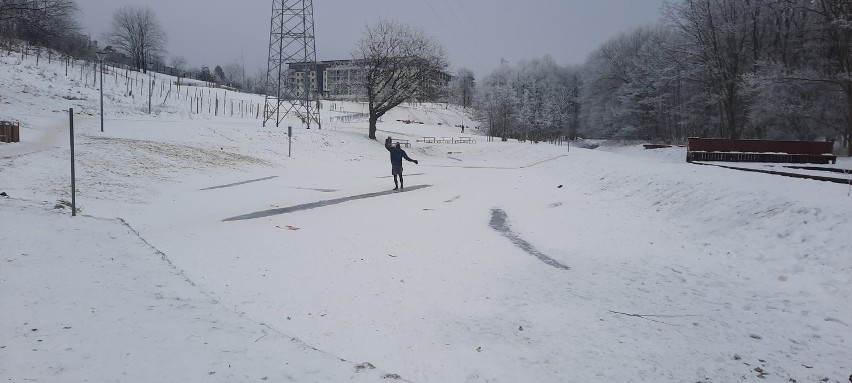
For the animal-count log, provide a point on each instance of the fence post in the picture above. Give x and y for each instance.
(73, 176)
(150, 94)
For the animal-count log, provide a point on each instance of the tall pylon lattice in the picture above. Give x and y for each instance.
(291, 77)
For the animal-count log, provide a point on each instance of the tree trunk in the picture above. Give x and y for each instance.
(849, 118)
(373, 119)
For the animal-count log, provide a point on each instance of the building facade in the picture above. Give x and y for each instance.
(338, 79)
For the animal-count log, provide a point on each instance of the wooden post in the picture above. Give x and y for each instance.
(150, 94)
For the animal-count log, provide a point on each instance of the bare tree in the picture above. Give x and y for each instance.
(14, 9)
(235, 75)
(179, 63)
(833, 32)
(400, 63)
(137, 33)
(44, 22)
(719, 40)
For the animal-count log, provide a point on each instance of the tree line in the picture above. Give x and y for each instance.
(767, 69)
(48, 23)
(135, 38)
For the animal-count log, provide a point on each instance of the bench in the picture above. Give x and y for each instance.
(728, 150)
(465, 140)
(445, 140)
(428, 140)
(401, 143)
(656, 146)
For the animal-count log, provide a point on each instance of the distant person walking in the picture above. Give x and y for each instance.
(396, 156)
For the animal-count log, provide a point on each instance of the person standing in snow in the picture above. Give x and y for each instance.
(396, 156)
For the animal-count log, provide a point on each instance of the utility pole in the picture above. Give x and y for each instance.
(292, 54)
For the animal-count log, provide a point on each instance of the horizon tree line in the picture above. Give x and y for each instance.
(766, 69)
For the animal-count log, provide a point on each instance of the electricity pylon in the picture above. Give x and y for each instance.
(291, 77)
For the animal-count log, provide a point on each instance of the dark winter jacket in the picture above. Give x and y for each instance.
(397, 154)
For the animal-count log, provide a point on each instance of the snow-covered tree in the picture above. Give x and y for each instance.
(462, 87)
(497, 103)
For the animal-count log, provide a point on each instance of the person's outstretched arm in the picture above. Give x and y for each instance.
(404, 155)
(388, 143)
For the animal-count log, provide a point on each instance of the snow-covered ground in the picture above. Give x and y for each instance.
(204, 253)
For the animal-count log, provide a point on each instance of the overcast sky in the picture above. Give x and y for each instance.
(476, 34)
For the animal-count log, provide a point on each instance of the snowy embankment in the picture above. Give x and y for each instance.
(204, 253)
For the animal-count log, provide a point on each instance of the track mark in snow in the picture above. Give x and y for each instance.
(319, 190)
(498, 223)
(405, 175)
(454, 199)
(498, 167)
(314, 205)
(239, 183)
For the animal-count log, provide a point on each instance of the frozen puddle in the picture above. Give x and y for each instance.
(498, 223)
(314, 205)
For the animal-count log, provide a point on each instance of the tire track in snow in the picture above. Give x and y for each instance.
(499, 224)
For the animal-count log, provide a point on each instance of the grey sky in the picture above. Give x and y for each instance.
(476, 34)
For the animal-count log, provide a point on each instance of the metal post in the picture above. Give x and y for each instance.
(73, 180)
(102, 93)
(290, 140)
(292, 51)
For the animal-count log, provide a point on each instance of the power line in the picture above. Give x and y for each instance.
(477, 57)
(467, 14)
(443, 22)
(462, 24)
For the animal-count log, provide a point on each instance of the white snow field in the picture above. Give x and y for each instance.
(203, 253)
